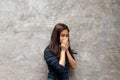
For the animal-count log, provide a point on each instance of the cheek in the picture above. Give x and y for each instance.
(61, 39)
(67, 38)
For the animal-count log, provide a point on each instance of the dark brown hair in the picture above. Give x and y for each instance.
(54, 44)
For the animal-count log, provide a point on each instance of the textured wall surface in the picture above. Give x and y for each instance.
(25, 30)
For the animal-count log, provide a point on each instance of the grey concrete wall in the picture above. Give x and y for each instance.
(25, 30)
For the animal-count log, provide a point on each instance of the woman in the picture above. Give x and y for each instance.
(58, 54)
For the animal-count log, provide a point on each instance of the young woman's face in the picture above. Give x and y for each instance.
(64, 35)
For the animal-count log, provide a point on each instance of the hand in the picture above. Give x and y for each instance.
(64, 45)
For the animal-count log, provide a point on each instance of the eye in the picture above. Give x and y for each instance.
(62, 35)
(66, 35)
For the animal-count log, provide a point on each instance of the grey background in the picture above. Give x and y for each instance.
(25, 30)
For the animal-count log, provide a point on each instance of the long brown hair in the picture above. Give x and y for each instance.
(54, 44)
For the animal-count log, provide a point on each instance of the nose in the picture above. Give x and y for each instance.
(66, 38)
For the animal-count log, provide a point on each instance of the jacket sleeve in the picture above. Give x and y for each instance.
(53, 62)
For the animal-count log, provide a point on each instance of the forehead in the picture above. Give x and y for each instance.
(64, 31)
